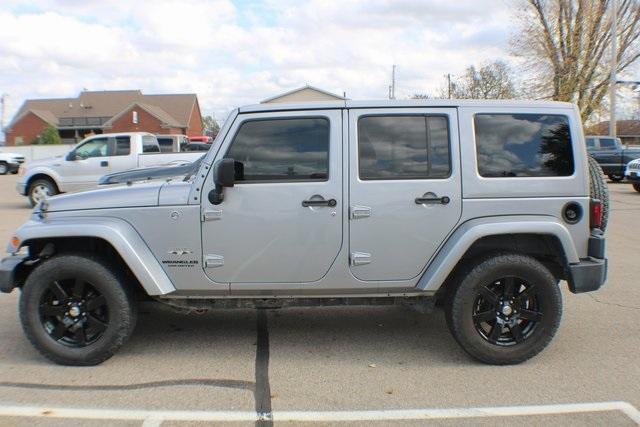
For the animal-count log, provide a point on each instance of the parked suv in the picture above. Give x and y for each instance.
(481, 207)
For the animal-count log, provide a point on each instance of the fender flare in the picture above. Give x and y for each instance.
(40, 170)
(118, 233)
(471, 231)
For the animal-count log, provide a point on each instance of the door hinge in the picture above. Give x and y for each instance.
(213, 261)
(360, 212)
(212, 214)
(360, 258)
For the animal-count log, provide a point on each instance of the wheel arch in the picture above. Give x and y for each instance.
(41, 175)
(544, 238)
(104, 236)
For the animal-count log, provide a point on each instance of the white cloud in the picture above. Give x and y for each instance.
(232, 54)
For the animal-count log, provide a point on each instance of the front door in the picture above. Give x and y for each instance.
(405, 190)
(282, 221)
(94, 158)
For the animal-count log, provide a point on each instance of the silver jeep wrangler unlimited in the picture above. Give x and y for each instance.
(480, 207)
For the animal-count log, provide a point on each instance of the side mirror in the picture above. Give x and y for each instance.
(71, 156)
(224, 175)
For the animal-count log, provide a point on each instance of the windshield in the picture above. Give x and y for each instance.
(194, 168)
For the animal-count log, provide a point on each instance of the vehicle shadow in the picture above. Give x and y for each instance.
(395, 335)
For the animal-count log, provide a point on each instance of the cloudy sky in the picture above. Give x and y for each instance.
(235, 52)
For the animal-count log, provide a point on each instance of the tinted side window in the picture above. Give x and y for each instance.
(523, 145)
(122, 146)
(591, 143)
(166, 144)
(282, 150)
(403, 147)
(607, 144)
(150, 144)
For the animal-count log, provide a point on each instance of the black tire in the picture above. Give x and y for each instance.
(616, 178)
(599, 189)
(93, 336)
(636, 187)
(14, 172)
(534, 317)
(39, 188)
(4, 168)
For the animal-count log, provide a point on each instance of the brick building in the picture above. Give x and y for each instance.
(106, 111)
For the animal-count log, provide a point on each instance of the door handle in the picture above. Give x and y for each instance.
(104, 163)
(319, 202)
(432, 199)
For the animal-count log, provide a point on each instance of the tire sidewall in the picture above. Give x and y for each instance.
(486, 272)
(119, 303)
(4, 169)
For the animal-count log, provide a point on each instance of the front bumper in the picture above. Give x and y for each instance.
(632, 177)
(590, 273)
(8, 269)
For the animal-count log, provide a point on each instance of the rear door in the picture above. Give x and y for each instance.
(405, 190)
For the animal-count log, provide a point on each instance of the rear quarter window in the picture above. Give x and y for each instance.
(523, 145)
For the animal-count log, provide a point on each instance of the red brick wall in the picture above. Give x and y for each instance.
(146, 123)
(28, 127)
(194, 127)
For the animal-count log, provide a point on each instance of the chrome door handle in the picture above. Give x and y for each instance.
(331, 203)
(432, 199)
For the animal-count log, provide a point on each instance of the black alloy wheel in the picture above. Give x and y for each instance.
(77, 309)
(507, 311)
(73, 312)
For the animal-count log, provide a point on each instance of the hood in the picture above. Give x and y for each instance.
(47, 161)
(146, 174)
(130, 196)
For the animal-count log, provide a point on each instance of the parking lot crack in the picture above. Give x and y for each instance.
(223, 383)
(613, 303)
(262, 388)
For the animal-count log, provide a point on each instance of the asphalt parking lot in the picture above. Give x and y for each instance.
(332, 365)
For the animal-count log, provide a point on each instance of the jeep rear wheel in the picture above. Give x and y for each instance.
(40, 189)
(3, 168)
(636, 187)
(505, 310)
(75, 311)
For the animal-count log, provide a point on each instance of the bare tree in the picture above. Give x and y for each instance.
(420, 96)
(564, 43)
(490, 81)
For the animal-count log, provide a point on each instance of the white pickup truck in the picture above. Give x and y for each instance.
(98, 155)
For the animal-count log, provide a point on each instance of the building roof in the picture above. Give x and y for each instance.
(623, 128)
(174, 110)
(155, 111)
(303, 88)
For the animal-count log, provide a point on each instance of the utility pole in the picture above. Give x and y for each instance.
(392, 88)
(3, 109)
(614, 66)
(449, 84)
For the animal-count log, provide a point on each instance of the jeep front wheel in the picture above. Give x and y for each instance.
(505, 309)
(75, 311)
